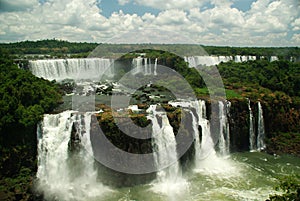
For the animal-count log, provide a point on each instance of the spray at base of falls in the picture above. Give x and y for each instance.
(60, 175)
(169, 178)
(66, 176)
(207, 160)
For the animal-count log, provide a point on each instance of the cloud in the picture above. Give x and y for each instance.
(267, 23)
(296, 24)
(17, 5)
(296, 39)
(171, 4)
(123, 2)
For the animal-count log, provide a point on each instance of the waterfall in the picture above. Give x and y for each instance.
(207, 161)
(164, 144)
(206, 60)
(260, 129)
(273, 58)
(60, 69)
(252, 137)
(137, 64)
(143, 65)
(169, 178)
(215, 60)
(155, 67)
(224, 135)
(237, 59)
(65, 158)
(204, 148)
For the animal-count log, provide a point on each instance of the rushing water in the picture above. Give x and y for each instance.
(261, 129)
(242, 177)
(252, 136)
(67, 171)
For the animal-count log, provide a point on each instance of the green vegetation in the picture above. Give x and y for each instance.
(276, 76)
(281, 52)
(24, 100)
(284, 143)
(52, 47)
(289, 187)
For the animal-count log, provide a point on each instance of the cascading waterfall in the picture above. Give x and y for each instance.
(206, 147)
(169, 178)
(260, 129)
(206, 60)
(224, 136)
(77, 69)
(164, 143)
(215, 60)
(62, 175)
(155, 67)
(273, 58)
(147, 66)
(144, 66)
(252, 137)
(207, 161)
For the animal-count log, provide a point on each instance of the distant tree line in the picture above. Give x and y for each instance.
(49, 46)
(60, 47)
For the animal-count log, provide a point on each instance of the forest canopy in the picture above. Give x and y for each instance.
(24, 98)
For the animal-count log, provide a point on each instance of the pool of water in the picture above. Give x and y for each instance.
(242, 176)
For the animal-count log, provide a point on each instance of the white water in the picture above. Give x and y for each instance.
(243, 176)
(260, 129)
(206, 60)
(224, 136)
(155, 67)
(274, 58)
(60, 175)
(206, 147)
(215, 60)
(169, 179)
(60, 69)
(144, 66)
(252, 137)
(207, 160)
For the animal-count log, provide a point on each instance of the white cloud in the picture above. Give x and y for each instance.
(268, 22)
(296, 24)
(271, 16)
(171, 4)
(296, 39)
(17, 5)
(172, 17)
(123, 2)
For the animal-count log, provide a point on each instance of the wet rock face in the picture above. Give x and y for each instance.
(239, 126)
(74, 143)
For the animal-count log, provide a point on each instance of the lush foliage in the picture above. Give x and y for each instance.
(24, 100)
(51, 46)
(290, 188)
(24, 97)
(59, 47)
(281, 52)
(277, 76)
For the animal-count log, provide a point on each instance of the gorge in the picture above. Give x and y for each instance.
(217, 164)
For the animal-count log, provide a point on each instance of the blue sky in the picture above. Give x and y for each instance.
(208, 22)
(110, 6)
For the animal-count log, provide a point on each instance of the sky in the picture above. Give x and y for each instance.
(207, 22)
